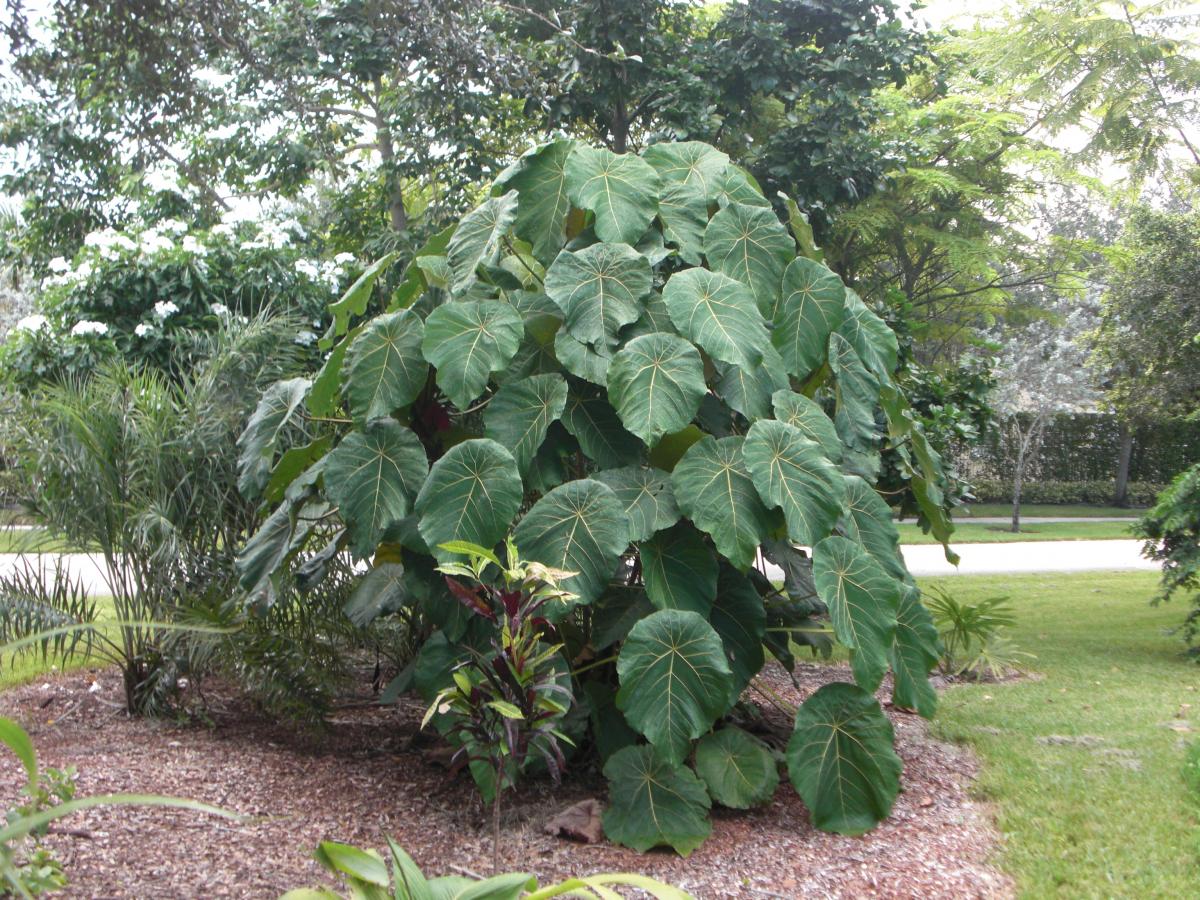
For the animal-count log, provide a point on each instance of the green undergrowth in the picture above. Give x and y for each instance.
(1084, 760)
(967, 532)
(1066, 510)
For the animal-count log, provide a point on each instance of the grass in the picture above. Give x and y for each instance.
(21, 668)
(1072, 510)
(968, 532)
(1084, 763)
(28, 540)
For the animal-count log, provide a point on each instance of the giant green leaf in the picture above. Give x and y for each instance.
(581, 359)
(380, 591)
(674, 680)
(840, 759)
(472, 494)
(740, 618)
(863, 600)
(468, 341)
(913, 654)
(373, 476)
(385, 367)
(267, 548)
(811, 306)
(806, 414)
(520, 413)
(696, 166)
(737, 768)
(327, 383)
(354, 301)
(679, 570)
(477, 239)
(684, 217)
(257, 443)
(580, 527)
(620, 189)
(592, 421)
(872, 339)
(654, 803)
(714, 489)
(749, 244)
(793, 473)
(647, 496)
(749, 390)
(739, 186)
(656, 383)
(599, 289)
(868, 520)
(540, 180)
(717, 313)
(857, 392)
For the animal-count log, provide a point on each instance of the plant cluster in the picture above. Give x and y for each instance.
(628, 357)
(1172, 532)
(971, 635)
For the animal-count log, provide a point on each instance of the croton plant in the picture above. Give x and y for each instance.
(634, 368)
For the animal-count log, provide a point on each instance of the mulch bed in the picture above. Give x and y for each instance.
(371, 774)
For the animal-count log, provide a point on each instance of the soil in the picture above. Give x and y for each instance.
(373, 774)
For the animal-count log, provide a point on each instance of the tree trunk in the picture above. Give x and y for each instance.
(387, 153)
(1018, 478)
(1121, 494)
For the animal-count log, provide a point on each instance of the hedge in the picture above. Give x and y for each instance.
(990, 490)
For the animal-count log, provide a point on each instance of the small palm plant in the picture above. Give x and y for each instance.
(971, 635)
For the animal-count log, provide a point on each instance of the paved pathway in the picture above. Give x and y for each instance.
(1033, 520)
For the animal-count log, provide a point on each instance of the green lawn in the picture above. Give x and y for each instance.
(1074, 510)
(968, 532)
(28, 540)
(1082, 763)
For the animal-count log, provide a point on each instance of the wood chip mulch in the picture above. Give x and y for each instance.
(371, 774)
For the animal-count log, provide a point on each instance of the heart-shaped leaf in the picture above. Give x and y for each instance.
(540, 180)
(740, 618)
(578, 527)
(520, 413)
(477, 239)
(373, 476)
(841, 761)
(656, 383)
(591, 419)
(468, 341)
(582, 360)
(472, 494)
(812, 305)
(913, 655)
(806, 414)
(599, 290)
(620, 189)
(694, 165)
(737, 768)
(749, 390)
(792, 472)
(679, 570)
(684, 216)
(385, 368)
(749, 244)
(717, 313)
(647, 496)
(863, 601)
(713, 487)
(653, 803)
(674, 680)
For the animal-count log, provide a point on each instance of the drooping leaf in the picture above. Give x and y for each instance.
(467, 341)
(354, 301)
(373, 476)
(872, 339)
(620, 189)
(581, 359)
(913, 655)
(414, 283)
(477, 239)
(841, 761)
(863, 600)
(521, 412)
(292, 464)
(646, 495)
(714, 489)
(740, 618)
(591, 419)
(857, 396)
(616, 612)
(698, 167)
(599, 289)
(737, 768)
(540, 179)
(806, 414)
(578, 527)
(679, 570)
(674, 680)
(812, 305)
(869, 521)
(322, 398)
(257, 444)
(377, 593)
(684, 217)
(472, 494)
(793, 473)
(719, 314)
(801, 230)
(654, 803)
(267, 549)
(385, 367)
(739, 186)
(749, 390)
(749, 244)
(656, 383)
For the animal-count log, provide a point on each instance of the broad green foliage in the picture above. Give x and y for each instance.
(1171, 530)
(626, 365)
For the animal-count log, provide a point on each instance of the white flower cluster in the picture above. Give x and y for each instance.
(86, 327)
(165, 308)
(32, 324)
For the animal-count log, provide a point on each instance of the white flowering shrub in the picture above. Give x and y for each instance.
(146, 294)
